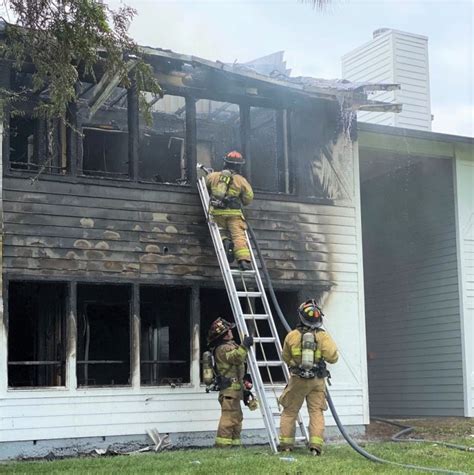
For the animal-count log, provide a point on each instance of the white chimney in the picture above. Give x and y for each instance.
(396, 57)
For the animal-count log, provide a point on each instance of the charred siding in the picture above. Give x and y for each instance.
(111, 231)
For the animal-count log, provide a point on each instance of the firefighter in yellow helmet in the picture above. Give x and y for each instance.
(229, 191)
(230, 365)
(305, 351)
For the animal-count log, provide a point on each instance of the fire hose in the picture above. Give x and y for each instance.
(341, 428)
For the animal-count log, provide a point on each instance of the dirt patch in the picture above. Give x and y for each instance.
(435, 428)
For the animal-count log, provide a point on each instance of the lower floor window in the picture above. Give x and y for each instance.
(105, 341)
(36, 334)
(103, 335)
(165, 335)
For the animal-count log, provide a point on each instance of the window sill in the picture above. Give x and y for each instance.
(185, 188)
(101, 181)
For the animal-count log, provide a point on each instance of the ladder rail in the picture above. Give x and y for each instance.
(241, 322)
(274, 331)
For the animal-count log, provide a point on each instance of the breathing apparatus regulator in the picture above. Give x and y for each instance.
(208, 370)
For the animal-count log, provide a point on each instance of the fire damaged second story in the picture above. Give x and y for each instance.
(104, 234)
(103, 192)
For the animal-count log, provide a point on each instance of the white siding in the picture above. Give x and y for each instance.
(465, 230)
(372, 62)
(394, 57)
(60, 413)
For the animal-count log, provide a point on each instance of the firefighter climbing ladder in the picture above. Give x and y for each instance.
(252, 289)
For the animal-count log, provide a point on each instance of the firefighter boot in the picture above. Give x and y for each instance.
(245, 265)
(229, 250)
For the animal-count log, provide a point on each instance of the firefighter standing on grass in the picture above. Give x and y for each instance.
(230, 365)
(229, 190)
(305, 351)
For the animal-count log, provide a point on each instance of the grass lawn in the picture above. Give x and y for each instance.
(337, 459)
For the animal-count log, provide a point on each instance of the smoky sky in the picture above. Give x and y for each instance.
(315, 41)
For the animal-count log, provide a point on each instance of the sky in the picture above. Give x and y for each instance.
(314, 41)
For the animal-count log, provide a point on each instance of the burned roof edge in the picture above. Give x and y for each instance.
(307, 85)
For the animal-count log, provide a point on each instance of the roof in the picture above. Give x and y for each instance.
(334, 88)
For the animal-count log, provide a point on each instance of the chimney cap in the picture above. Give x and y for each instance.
(380, 31)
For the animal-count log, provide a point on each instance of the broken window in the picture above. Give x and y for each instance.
(36, 334)
(105, 152)
(103, 335)
(268, 150)
(38, 145)
(162, 146)
(218, 131)
(105, 134)
(165, 335)
(22, 152)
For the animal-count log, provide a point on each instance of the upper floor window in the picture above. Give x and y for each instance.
(105, 134)
(37, 145)
(162, 145)
(218, 131)
(268, 150)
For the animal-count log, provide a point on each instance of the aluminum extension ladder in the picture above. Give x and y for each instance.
(253, 288)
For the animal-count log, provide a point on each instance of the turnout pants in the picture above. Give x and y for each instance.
(234, 227)
(292, 398)
(230, 423)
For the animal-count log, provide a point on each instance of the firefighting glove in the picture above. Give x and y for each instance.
(247, 342)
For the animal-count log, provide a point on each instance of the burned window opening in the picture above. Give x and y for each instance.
(165, 336)
(268, 150)
(37, 145)
(103, 334)
(36, 334)
(105, 152)
(162, 147)
(218, 131)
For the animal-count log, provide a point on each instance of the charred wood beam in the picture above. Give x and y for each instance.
(72, 137)
(118, 99)
(133, 130)
(282, 151)
(191, 140)
(104, 89)
(245, 138)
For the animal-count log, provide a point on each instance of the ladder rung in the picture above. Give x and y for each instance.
(300, 439)
(264, 339)
(242, 272)
(255, 316)
(249, 294)
(276, 414)
(269, 363)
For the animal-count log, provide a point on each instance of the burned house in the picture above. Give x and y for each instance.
(110, 280)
